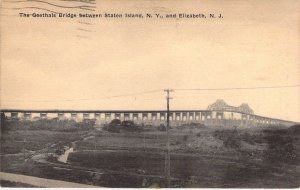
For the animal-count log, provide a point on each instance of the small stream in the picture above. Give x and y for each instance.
(64, 158)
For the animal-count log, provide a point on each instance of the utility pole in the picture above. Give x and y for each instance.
(24, 149)
(24, 144)
(168, 173)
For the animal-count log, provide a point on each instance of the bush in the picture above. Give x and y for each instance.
(230, 138)
(162, 127)
(281, 148)
(47, 124)
(232, 143)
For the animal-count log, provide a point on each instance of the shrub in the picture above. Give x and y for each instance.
(47, 124)
(230, 138)
(281, 148)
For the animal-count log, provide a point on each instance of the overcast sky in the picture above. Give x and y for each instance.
(60, 63)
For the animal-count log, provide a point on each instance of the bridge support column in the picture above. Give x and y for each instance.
(97, 116)
(27, 116)
(74, 116)
(162, 116)
(135, 116)
(107, 117)
(60, 116)
(145, 116)
(43, 115)
(197, 117)
(122, 116)
(191, 116)
(172, 116)
(184, 117)
(214, 115)
(86, 116)
(14, 115)
(188, 117)
(140, 116)
(118, 116)
(126, 116)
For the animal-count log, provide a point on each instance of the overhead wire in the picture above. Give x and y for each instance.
(235, 88)
(161, 90)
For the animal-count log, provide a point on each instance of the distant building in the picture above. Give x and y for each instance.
(221, 105)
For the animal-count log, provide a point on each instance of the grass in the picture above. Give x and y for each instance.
(12, 142)
(201, 156)
(35, 135)
(47, 124)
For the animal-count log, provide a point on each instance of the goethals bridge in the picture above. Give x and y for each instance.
(217, 114)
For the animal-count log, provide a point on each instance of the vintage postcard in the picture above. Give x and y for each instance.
(150, 93)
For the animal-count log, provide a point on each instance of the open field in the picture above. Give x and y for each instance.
(187, 170)
(13, 142)
(200, 156)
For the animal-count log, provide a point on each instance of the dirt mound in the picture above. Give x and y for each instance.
(205, 142)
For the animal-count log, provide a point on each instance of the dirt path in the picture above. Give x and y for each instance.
(41, 182)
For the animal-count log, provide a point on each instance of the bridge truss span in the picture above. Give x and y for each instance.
(152, 117)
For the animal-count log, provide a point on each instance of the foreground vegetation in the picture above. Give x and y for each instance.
(17, 135)
(200, 156)
(47, 124)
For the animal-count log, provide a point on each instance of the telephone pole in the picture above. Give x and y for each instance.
(168, 173)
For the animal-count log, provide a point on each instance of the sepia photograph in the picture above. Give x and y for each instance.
(150, 94)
